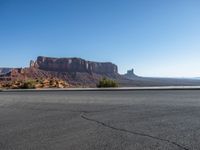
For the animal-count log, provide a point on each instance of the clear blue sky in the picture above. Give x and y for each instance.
(155, 37)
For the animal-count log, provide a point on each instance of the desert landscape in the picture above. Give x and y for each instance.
(48, 72)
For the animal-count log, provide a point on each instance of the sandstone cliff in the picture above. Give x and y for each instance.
(75, 71)
(130, 74)
(73, 65)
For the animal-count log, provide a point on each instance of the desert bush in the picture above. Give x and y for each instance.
(104, 82)
(28, 84)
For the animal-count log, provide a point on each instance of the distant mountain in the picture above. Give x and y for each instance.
(5, 70)
(78, 72)
(75, 71)
(156, 81)
(74, 65)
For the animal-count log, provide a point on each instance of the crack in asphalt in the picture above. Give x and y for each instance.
(132, 132)
(83, 116)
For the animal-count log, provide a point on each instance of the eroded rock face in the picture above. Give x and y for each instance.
(5, 70)
(76, 72)
(130, 74)
(73, 65)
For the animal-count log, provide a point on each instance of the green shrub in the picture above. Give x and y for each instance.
(28, 84)
(104, 82)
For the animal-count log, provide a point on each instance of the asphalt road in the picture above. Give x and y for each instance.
(100, 120)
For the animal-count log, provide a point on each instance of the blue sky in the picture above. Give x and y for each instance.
(155, 37)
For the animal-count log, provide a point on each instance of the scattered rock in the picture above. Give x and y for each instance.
(26, 84)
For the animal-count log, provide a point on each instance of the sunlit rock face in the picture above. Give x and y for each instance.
(74, 65)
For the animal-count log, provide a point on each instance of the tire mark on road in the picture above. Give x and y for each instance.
(83, 116)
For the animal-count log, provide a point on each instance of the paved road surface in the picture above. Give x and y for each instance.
(100, 120)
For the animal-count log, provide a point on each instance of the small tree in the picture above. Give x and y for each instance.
(104, 82)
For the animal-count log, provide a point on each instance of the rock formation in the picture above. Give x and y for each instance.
(76, 72)
(5, 70)
(37, 83)
(73, 65)
(130, 74)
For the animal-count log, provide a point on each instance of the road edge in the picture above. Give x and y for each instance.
(105, 89)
